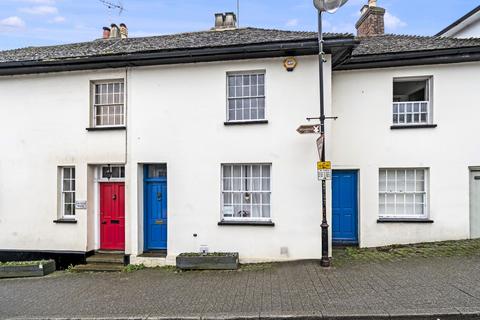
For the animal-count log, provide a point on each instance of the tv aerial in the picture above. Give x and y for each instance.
(114, 5)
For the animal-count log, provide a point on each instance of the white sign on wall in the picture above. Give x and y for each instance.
(228, 211)
(81, 204)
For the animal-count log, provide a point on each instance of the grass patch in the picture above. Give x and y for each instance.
(133, 267)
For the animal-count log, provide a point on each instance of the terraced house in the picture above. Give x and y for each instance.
(156, 146)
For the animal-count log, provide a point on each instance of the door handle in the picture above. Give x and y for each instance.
(104, 222)
(114, 221)
(159, 196)
(159, 221)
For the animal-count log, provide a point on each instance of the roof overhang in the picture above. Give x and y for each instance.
(462, 23)
(415, 58)
(340, 48)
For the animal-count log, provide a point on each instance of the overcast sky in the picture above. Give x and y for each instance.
(46, 22)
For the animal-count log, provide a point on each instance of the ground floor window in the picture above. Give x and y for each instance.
(246, 191)
(403, 193)
(67, 197)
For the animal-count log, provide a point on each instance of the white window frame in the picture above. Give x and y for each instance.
(384, 194)
(400, 109)
(248, 190)
(120, 178)
(231, 98)
(63, 192)
(94, 105)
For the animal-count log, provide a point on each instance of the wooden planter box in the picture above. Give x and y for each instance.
(208, 262)
(34, 270)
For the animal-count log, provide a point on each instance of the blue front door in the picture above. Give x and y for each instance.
(345, 207)
(155, 214)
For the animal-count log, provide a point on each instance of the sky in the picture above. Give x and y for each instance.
(49, 22)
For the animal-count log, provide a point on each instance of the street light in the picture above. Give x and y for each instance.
(329, 6)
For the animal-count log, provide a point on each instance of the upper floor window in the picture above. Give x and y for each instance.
(67, 196)
(403, 193)
(246, 191)
(246, 96)
(412, 103)
(108, 103)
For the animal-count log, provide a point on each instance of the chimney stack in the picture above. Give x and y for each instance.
(123, 31)
(106, 32)
(372, 20)
(225, 21)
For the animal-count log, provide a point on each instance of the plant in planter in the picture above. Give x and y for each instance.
(208, 261)
(14, 269)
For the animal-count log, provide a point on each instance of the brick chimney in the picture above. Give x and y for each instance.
(372, 20)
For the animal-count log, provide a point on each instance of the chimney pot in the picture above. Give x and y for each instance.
(224, 21)
(114, 31)
(230, 20)
(219, 20)
(372, 20)
(106, 32)
(123, 31)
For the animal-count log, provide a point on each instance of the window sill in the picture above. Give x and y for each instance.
(106, 128)
(414, 126)
(403, 220)
(71, 221)
(238, 123)
(247, 223)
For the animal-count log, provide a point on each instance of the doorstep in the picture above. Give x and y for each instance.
(153, 259)
(154, 254)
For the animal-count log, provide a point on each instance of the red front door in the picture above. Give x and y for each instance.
(112, 216)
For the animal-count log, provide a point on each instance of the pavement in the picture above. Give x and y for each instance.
(413, 287)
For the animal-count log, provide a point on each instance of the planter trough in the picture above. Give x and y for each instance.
(210, 261)
(34, 269)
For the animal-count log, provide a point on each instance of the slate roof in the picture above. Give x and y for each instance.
(390, 44)
(191, 40)
(368, 46)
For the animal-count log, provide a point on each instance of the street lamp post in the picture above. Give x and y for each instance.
(324, 6)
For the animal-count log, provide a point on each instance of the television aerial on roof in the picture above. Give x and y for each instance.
(114, 5)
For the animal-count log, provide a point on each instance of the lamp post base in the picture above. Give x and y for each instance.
(325, 262)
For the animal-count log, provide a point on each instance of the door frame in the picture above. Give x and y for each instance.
(471, 170)
(98, 179)
(357, 241)
(103, 183)
(146, 180)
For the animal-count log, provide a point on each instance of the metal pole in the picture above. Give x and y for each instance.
(325, 262)
(238, 13)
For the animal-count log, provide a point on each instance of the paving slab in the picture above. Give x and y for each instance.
(413, 288)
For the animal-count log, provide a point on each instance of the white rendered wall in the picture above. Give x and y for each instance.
(471, 30)
(363, 140)
(177, 117)
(43, 126)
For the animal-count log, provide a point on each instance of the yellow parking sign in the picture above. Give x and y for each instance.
(324, 165)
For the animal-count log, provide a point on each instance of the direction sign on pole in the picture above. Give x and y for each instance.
(320, 145)
(309, 128)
